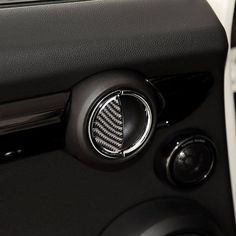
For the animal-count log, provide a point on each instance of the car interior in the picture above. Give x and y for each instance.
(113, 119)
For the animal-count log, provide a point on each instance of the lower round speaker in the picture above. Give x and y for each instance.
(187, 162)
(164, 217)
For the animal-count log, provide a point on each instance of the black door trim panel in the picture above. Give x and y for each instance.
(48, 48)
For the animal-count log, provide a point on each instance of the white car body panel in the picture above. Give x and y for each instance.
(224, 9)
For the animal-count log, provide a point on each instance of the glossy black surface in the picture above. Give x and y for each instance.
(182, 94)
(191, 162)
(20, 145)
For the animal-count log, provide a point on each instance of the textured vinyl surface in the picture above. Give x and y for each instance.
(49, 48)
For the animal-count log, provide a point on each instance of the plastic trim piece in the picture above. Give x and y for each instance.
(32, 113)
(83, 103)
(164, 217)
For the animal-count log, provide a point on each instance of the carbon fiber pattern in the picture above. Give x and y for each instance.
(108, 127)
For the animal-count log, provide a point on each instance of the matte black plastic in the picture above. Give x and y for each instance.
(163, 218)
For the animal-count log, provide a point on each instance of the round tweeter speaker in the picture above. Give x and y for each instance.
(112, 118)
(189, 162)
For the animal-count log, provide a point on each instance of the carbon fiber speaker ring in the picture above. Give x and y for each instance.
(119, 124)
(111, 119)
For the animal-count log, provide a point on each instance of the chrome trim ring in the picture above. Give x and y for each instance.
(106, 126)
